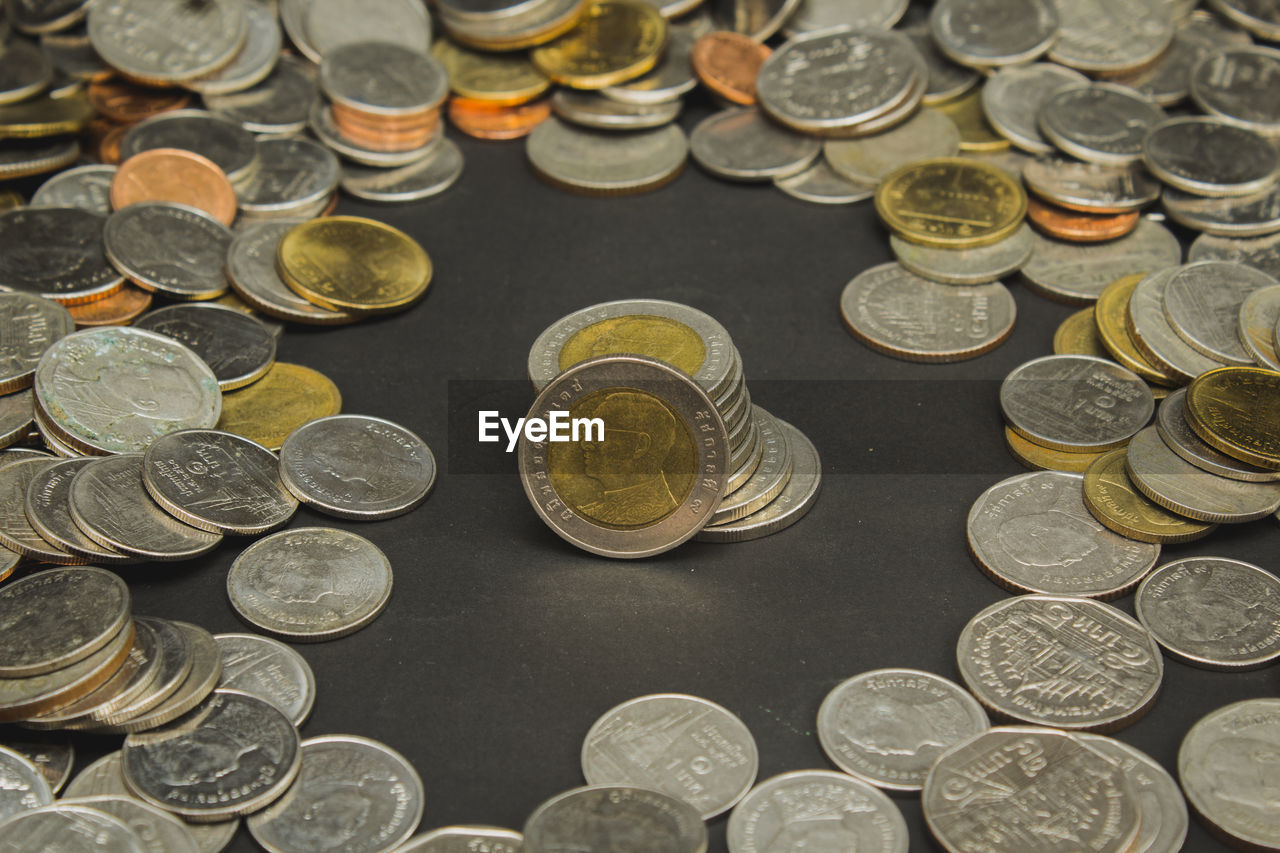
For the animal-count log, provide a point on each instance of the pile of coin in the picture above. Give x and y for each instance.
(681, 452)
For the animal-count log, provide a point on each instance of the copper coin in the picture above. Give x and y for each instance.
(727, 63)
(172, 174)
(128, 102)
(389, 140)
(119, 309)
(1079, 227)
(358, 124)
(484, 120)
(109, 147)
(344, 113)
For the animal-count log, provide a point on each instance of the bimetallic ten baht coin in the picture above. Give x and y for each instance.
(816, 810)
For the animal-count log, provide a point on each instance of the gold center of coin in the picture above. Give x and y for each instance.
(667, 340)
(642, 471)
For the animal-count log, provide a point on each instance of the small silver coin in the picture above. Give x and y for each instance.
(1213, 612)
(24, 71)
(966, 266)
(85, 187)
(1078, 273)
(793, 809)
(255, 59)
(228, 145)
(279, 104)
(740, 144)
(357, 467)
(1167, 80)
(822, 184)
(58, 617)
(1099, 123)
(1261, 253)
(53, 759)
(700, 752)
(1259, 317)
(424, 178)
(1202, 303)
(813, 15)
(1152, 334)
(673, 76)
(167, 41)
(599, 162)
(607, 817)
(310, 584)
(1033, 533)
(69, 828)
(1163, 827)
(1237, 84)
(869, 159)
(293, 174)
(1256, 16)
(1171, 423)
(1111, 36)
(334, 24)
(1012, 98)
(171, 249)
(898, 313)
(1206, 156)
(16, 532)
(769, 478)
(1060, 661)
(1257, 214)
(320, 120)
(1076, 403)
(56, 252)
(1091, 187)
(270, 670)
(22, 785)
(29, 325)
(990, 33)
(383, 78)
(251, 268)
(888, 726)
(1178, 486)
(334, 769)
(160, 831)
(590, 109)
(235, 345)
(464, 839)
(113, 508)
(232, 755)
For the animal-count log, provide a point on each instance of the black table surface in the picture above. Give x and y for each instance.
(502, 644)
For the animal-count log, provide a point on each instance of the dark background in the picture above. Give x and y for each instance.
(502, 644)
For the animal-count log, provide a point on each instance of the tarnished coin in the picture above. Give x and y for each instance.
(1107, 37)
(30, 696)
(251, 269)
(598, 162)
(1223, 764)
(21, 158)
(358, 467)
(1077, 274)
(1153, 336)
(869, 159)
(228, 145)
(56, 252)
(24, 69)
(1202, 303)
(85, 187)
(59, 616)
(604, 817)
(1171, 423)
(951, 203)
(1233, 409)
(348, 263)
(1113, 499)
(948, 82)
(464, 839)
(160, 831)
(421, 179)
(71, 828)
(235, 345)
(340, 773)
(1033, 533)
(168, 41)
(901, 314)
(1012, 98)
(1177, 485)
(1029, 765)
(270, 670)
(888, 726)
(289, 396)
(981, 265)
(590, 109)
(822, 184)
(1231, 216)
(310, 584)
(989, 33)
(17, 417)
(1100, 123)
(16, 531)
(1167, 80)
(708, 757)
(29, 325)
(232, 755)
(1206, 156)
(172, 653)
(279, 104)
(1237, 84)
(1071, 663)
(1075, 402)
(172, 249)
(816, 810)
(22, 785)
(1259, 318)
(1091, 187)
(255, 59)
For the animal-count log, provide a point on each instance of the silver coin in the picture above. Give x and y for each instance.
(609, 817)
(1202, 303)
(115, 390)
(1032, 533)
(1167, 80)
(1163, 827)
(270, 670)
(251, 268)
(58, 617)
(901, 314)
(888, 726)
(159, 831)
(357, 467)
(16, 532)
(47, 16)
(310, 584)
(1178, 486)
(279, 104)
(740, 144)
(673, 76)
(591, 109)
(85, 187)
(1237, 85)
(464, 839)
(54, 760)
(759, 19)
(57, 252)
(822, 184)
(1061, 661)
(812, 15)
(256, 58)
(947, 80)
(1206, 156)
(1261, 253)
(24, 71)
(12, 455)
(686, 747)
(29, 325)
(383, 78)
(167, 41)
(1110, 36)
(1229, 216)
(1012, 98)
(1076, 403)
(1223, 763)
(1152, 334)
(1072, 783)
(201, 679)
(768, 480)
(232, 755)
(1171, 423)
(69, 829)
(599, 162)
(292, 174)
(174, 658)
(1259, 317)
(111, 505)
(966, 266)
(22, 785)
(231, 148)
(320, 120)
(335, 24)
(1099, 123)
(17, 416)
(343, 776)
(989, 33)
(22, 698)
(816, 810)
(869, 159)
(235, 345)
(170, 249)
(424, 178)
(1078, 273)
(1257, 16)
(515, 31)
(131, 681)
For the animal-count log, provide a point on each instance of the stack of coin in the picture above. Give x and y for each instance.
(506, 26)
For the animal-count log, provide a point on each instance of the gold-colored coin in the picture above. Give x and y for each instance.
(288, 396)
(1110, 313)
(976, 133)
(662, 338)
(347, 263)
(501, 79)
(11, 200)
(616, 41)
(1078, 335)
(45, 116)
(951, 203)
(1118, 506)
(1041, 458)
(1237, 411)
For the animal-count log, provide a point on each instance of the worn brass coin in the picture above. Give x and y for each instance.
(1234, 410)
(347, 263)
(976, 133)
(951, 202)
(615, 41)
(45, 116)
(1172, 424)
(1041, 458)
(502, 79)
(1109, 316)
(1078, 335)
(1113, 500)
(288, 396)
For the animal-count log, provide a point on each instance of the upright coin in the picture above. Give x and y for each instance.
(1205, 156)
(346, 263)
(56, 252)
(72, 828)
(601, 163)
(270, 670)
(289, 396)
(951, 202)
(1233, 409)
(1113, 499)
(1177, 485)
(1077, 274)
(600, 817)
(235, 345)
(1075, 402)
(792, 809)
(22, 786)
(58, 617)
(29, 325)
